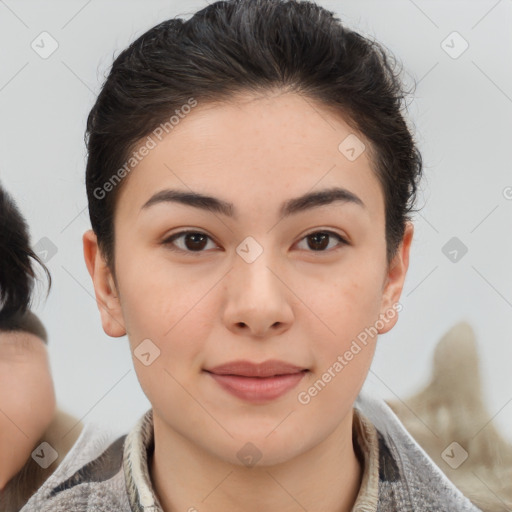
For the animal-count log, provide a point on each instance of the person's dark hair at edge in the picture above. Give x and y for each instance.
(258, 46)
(17, 274)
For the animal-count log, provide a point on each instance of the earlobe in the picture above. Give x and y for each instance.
(395, 279)
(107, 297)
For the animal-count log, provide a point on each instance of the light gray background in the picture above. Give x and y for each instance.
(462, 112)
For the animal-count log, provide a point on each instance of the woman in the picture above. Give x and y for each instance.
(250, 177)
(35, 435)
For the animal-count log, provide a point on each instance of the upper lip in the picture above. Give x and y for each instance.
(245, 368)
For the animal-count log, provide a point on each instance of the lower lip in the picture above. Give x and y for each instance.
(258, 389)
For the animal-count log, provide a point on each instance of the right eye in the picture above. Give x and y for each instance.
(191, 241)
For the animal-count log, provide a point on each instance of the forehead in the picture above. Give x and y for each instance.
(271, 147)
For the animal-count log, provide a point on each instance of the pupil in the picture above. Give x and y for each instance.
(195, 238)
(323, 238)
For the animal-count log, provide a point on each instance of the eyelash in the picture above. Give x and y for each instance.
(169, 241)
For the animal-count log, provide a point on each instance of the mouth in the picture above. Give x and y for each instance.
(269, 368)
(257, 383)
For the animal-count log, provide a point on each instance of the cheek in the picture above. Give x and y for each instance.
(27, 396)
(344, 343)
(349, 312)
(347, 302)
(164, 312)
(158, 296)
(27, 399)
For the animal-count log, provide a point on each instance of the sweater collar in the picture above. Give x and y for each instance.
(139, 446)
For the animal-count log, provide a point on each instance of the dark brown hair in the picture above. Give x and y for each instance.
(17, 274)
(251, 46)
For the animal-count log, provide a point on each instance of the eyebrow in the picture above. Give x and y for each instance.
(292, 206)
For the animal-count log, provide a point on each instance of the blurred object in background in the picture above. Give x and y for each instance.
(449, 420)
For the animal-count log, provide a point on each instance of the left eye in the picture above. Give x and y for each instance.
(195, 241)
(320, 240)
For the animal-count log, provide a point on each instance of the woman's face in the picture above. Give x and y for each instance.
(27, 399)
(254, 285)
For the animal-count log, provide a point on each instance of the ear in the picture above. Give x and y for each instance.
(394, 282)
(107, 297)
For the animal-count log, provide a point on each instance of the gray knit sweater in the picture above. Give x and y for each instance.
(102, 473)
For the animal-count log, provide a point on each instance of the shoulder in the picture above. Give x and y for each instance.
(62, 433)
(408, 478)
(90, 477)
(53, 447)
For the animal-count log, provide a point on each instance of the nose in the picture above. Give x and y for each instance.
(257, 297)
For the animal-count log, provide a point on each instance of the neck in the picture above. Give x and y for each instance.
(326, 477)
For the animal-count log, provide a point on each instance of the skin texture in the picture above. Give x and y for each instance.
(27, 399)
(293, 303)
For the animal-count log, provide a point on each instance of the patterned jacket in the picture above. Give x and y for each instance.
(103, 473)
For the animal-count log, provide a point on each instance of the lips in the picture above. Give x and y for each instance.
(257, 383)
(269, 368)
